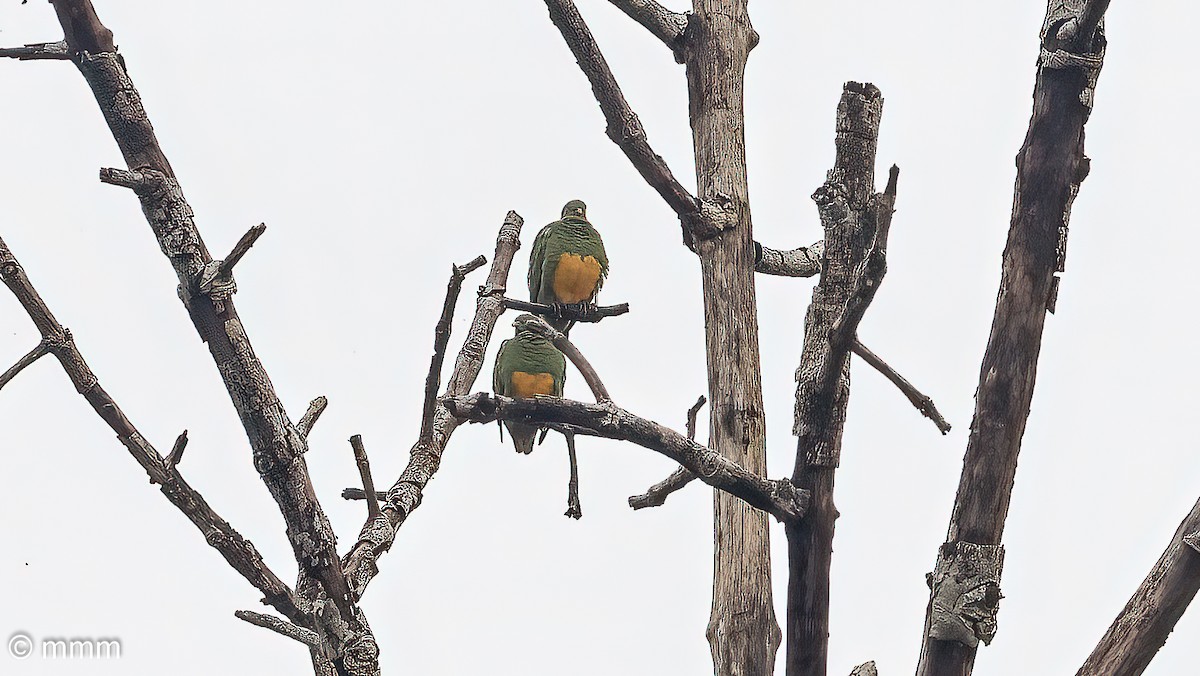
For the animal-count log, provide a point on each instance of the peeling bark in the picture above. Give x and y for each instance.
(856, 222)
(1050, 166)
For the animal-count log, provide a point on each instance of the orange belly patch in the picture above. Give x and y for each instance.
(575, 278)
(525, 385)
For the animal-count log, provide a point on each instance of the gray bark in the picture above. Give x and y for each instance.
(605, 419)
(856, 222)
(743, 632)
(425, 457)
(239, 552)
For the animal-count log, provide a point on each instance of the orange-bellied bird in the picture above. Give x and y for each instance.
(527, 365)
(567, 264)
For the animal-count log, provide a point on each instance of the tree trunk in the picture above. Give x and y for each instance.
(965, 590)
(742, 631)
(848, 208)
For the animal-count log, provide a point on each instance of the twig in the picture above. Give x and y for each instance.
(568, 348)
(802, 262)
(364, 471)
(240, 249)
(407, 493)
(624, 127)
(306, 636)
(1152, 612)
(237, 550)
(779, 498)
(35, 354)
(39, 51)
(576, 312)
(359, 494)
(656, 496)
(574, 510)
(243, 245)
(177, 450)
(923, 403)
(315, 408)
(666, 25)
(441, 338)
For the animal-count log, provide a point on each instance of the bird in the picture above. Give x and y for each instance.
(567, 264)
(527, 365)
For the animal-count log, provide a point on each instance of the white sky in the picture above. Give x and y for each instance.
(381, 142)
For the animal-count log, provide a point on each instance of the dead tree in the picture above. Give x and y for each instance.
(322, 610)
(714, 41)
(965, 583)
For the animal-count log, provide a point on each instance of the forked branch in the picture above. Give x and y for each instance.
(656, 496)
(780, 498)
(236, 550)
(407, 493)
(666, 25)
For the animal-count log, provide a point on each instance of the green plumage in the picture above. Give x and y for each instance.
(574, 235)
(520, 362)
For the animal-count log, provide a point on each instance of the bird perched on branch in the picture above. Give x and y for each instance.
(527, 365)
(567, 264)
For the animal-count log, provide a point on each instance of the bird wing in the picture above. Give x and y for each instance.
(537, 259)
(499, 379)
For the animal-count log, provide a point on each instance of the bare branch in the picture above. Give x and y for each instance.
(243, 245)
(802, 262)
(624, 127)
(1152, 612)
(123, 178)
(666, 25)
(177, 450)
(359, 494)
(856, 221)
(441, 338)
(306, 636)
(779, 498)
(315, 408)
(57, 51)
(236, 550)
(24, 362)
(568, 348)
(923, 403)
(407, 493)
(576, 312)
(364, 471)
(278, 450)
(574, 509)
(656, 496)
(1051, 165)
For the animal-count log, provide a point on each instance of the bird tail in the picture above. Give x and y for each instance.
(522, 435)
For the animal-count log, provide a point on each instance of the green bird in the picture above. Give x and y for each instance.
(527, 365)
(567, 264)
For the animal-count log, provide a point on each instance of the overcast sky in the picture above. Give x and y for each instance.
(381, 142)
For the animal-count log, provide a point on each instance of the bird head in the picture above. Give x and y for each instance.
(575, 209)
(526, 323)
